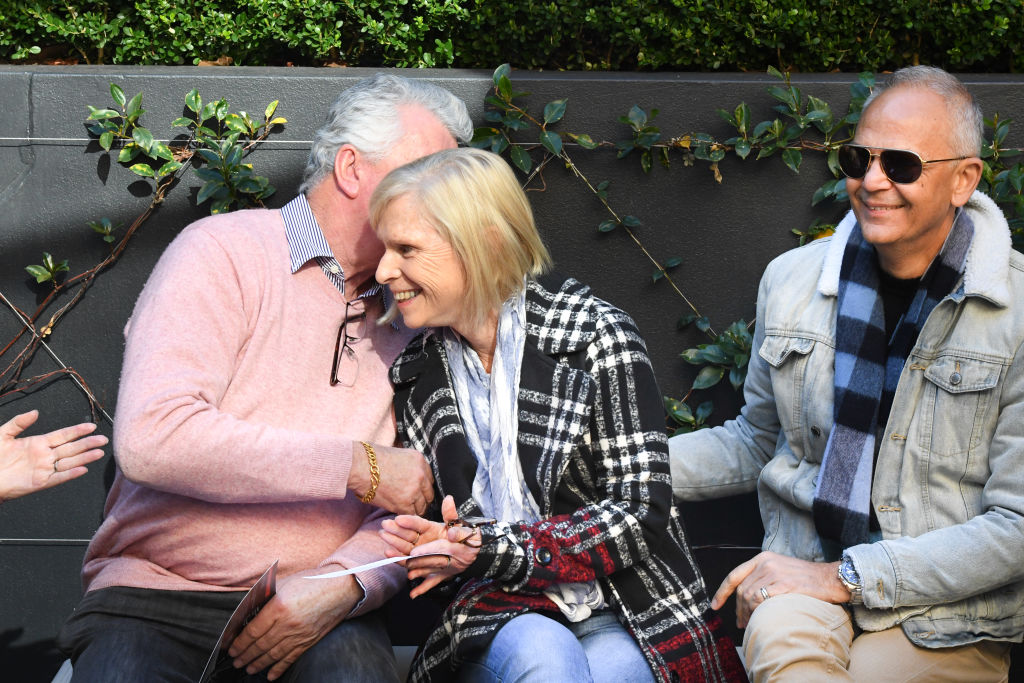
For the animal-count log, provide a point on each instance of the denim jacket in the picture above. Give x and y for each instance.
(948, 486)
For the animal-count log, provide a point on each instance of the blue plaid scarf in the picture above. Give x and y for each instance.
(867, 369)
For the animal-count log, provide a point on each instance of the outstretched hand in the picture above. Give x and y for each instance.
(33, 463)
(778, 574)
(412, 535)
(406, 483)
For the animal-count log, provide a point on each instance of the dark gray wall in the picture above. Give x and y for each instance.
(53, 181)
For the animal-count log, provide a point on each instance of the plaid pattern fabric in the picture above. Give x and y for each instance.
(593, 451)
(867, 370)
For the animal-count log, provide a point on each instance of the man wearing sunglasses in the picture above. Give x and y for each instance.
(254, 425)
(884, 421)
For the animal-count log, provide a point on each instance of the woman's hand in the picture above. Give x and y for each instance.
(412, 535)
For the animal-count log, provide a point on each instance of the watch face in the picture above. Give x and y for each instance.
(848, 574)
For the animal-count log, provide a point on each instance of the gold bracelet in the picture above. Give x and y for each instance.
(374, 472)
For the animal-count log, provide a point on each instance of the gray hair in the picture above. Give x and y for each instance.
(968, 122)
(368, 117)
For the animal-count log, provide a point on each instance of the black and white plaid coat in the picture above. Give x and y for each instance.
(593, 451)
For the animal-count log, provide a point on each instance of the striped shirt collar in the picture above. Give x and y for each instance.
(306, 242)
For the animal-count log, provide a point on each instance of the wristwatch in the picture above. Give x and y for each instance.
(851, 579)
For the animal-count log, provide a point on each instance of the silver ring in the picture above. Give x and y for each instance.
(55, 465)
(449, 558)
(764, 593)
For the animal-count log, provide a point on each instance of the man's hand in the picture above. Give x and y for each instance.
(778, 574)
(411, 535)
(33, 463)
(294, 620)
(406, 483)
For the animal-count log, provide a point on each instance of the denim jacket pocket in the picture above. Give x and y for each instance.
(960, 392)
(799, 373)
(777, 348)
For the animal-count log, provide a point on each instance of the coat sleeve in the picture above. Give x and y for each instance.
(727, 460)
(624, 446)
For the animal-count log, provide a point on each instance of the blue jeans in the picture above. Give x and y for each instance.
(533, 647)
(125, 635)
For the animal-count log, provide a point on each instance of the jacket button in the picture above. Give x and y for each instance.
(955, 378)
(543, 557)
(815, 432)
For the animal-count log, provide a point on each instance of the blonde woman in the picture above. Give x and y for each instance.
(536, 405)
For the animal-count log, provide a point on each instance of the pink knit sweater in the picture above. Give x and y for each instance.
(233, 448)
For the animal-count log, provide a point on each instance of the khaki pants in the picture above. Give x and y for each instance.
(794, 637)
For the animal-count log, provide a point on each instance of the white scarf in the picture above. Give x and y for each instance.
(488, 407)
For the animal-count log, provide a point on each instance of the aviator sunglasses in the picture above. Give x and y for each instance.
(899, 165)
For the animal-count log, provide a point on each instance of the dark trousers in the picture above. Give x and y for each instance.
(128, 635)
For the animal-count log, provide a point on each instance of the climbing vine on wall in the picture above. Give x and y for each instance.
(215, 143)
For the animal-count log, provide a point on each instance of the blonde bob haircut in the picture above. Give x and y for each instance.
(473, 200)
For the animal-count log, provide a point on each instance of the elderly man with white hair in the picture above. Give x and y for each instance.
(254, 424)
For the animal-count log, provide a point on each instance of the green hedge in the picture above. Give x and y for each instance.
(684, 35)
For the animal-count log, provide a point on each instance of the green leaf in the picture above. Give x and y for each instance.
(128, 152)
(708, 377)
(736, 377)
(742, 148)
(220, 205)
(657, 275)
(168, 168)
(792, 158)
(499, 144)
(209, 156)
(608, 225)
(181, 122)
(210, 189)
(521, 158)
(236, 122)
(636, 117)
(583, 140)
(645, 161)
(554, 111)
(221, 109)
(760, 128)
(672, 262)
(704, 411)
(209, 109)
(143, 138)
(679, 411)
(193, 101)
(117, 93)
(685, 321)
(271, 108)
(133, 109)
(703, 324)
(552, 142)
(502, 71)
(631, 221)
(208, 174)
(162, 151)
(98, 114)
(277, 121)
(39, 273)
(143, 170)
(106, 140)
(772, 71)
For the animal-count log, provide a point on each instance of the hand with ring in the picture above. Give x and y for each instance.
(457, 542)
(33, 463)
